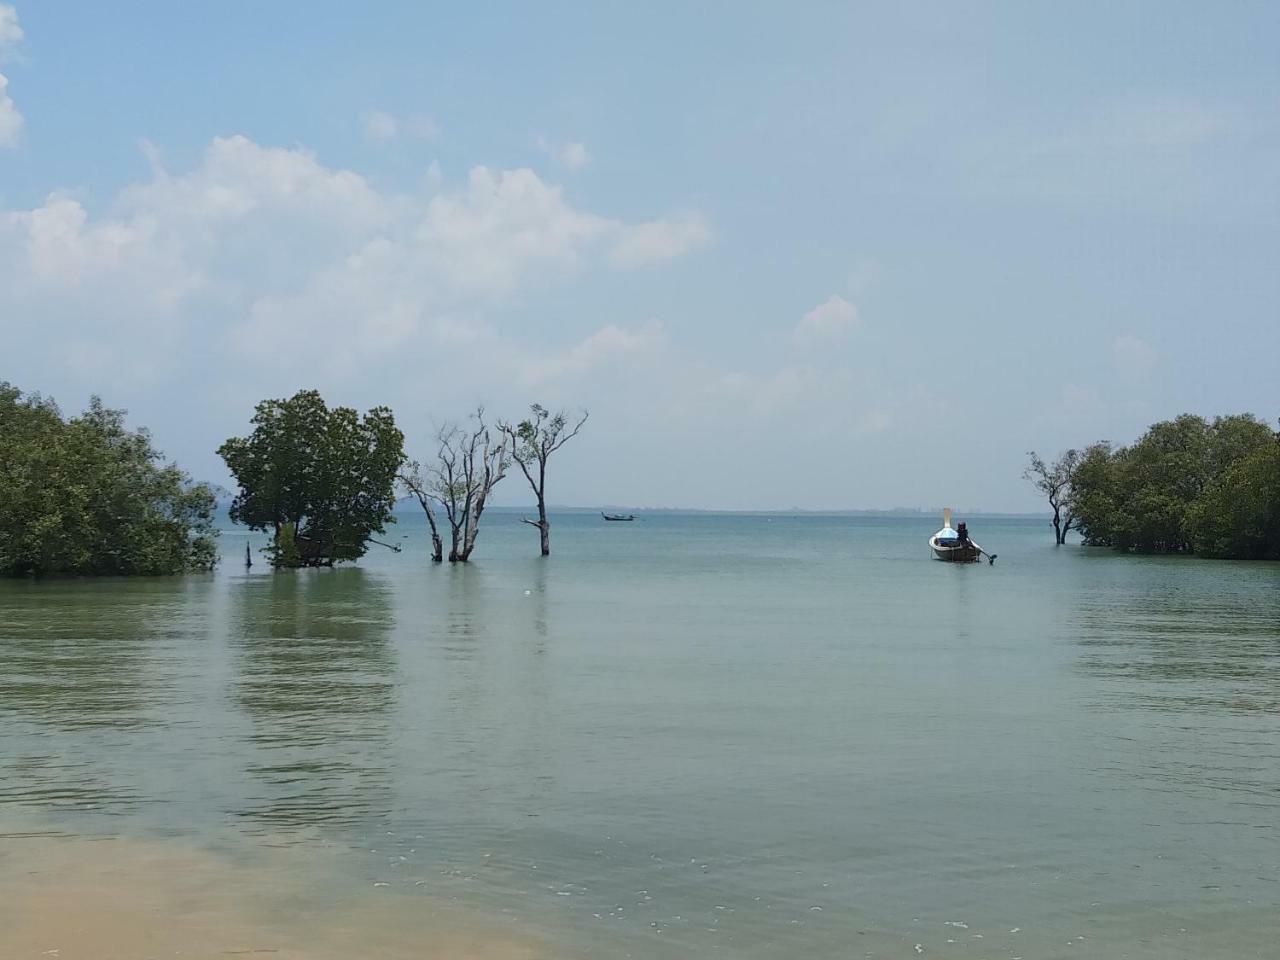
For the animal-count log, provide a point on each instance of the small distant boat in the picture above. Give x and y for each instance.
(946, 544)
(618, 517)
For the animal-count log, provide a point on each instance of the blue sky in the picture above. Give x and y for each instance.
(788, 255)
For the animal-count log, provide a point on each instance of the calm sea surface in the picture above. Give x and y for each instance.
(737, 736)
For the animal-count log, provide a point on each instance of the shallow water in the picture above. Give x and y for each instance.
(745, 736)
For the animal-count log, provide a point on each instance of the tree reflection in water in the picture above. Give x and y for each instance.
(1182, 660)
(314, 675)
(93, 681)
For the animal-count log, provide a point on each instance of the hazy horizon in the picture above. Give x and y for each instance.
(835, 258)
(410, 505)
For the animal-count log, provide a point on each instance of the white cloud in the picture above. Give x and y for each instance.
(608, 345)
(261, 270)
(573, 156)
(11, 121)
(1133, 354)
(771, 393)
(658, 240)
(384, 127)
(238, 179)
(1132, 148)
(60, 249)
(504, 227)
(266, 257)
(10, 30)
(832, 318)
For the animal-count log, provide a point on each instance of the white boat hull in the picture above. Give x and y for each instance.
(955, 554)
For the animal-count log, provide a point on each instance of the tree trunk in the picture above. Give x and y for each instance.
(469, 533)
(544, 528)
(437, 545)
(468, 544)
(1058, 536)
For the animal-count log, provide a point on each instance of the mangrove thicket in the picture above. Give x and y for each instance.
(1188, 485)
(86, 495)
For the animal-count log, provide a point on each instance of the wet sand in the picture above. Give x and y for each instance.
(114, 899)
(70, 898)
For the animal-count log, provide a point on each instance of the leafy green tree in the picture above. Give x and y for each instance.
(320, 480)
(1167, 493)
(1239, 514)
(533, 441)
(1235, 439)
(88, 496)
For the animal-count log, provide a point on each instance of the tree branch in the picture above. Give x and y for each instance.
(571, 434)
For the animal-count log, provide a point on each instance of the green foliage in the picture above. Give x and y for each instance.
(88, 496)
(1239, 513)
(1187, 485)
(533, 441)
(325, 476)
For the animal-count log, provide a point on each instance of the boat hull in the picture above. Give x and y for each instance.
(956, 554)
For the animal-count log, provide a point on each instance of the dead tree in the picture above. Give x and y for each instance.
(419, 484)
(1054, 481)
(533, 441)
(470, 461)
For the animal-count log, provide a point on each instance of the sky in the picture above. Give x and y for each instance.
(820, 255)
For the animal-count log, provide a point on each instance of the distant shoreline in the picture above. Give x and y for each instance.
(790, 512)
(408, 505)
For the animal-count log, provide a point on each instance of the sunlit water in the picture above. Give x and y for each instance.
(741, 736)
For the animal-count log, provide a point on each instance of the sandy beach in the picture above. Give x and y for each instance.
(114, 899)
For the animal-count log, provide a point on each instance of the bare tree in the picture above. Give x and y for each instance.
(470, 461)
(1054, 481)
(533, 441)
(420, 485)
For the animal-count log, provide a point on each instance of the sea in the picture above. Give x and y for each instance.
(692, 735)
